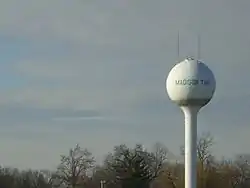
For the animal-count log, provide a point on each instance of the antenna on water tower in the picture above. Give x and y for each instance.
(178, 46)
(198, 47)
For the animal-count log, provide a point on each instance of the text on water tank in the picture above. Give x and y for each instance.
(191, 82)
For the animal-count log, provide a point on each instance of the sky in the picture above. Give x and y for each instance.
(92, 72)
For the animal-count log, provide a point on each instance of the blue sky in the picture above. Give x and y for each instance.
(93, 72)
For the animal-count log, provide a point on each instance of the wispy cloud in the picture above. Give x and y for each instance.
(78, 118)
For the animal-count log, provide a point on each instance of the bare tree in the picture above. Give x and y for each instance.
(73, 168)
(241, 175)
(204, 144)
(159, 155)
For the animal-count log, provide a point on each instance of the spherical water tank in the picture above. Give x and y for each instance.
(190, 83)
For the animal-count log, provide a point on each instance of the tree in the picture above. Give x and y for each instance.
(33, 179)
(205, 159)
(241, 175)
(73, 168)
(159, 155)
(7, 179)
(13, 178)
(136, 167)
(205, 142)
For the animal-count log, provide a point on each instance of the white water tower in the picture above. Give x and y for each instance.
(191, 85)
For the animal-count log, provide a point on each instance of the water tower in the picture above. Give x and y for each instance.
(191, 85)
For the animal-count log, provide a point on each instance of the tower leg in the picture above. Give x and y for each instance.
(190, 114)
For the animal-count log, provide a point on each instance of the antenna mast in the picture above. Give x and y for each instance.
(198, 47)
(178, 46)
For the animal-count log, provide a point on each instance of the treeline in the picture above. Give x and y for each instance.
(135, 167)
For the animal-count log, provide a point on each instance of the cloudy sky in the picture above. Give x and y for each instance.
(93, 72)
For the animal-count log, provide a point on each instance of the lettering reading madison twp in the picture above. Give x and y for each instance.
(191, 82)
